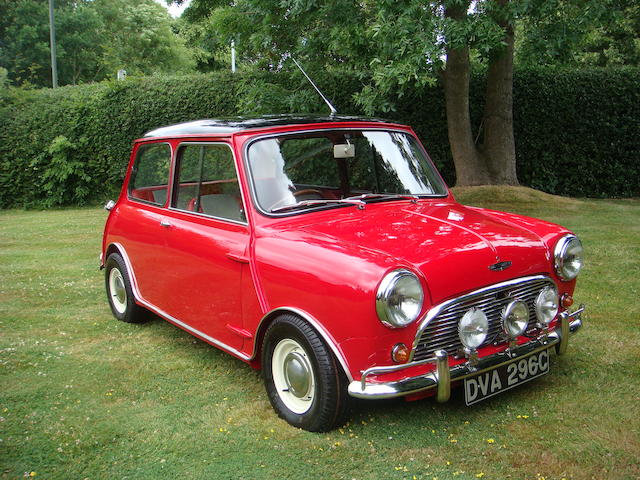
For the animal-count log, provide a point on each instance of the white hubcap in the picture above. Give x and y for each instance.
(293, 376)
(117, 291)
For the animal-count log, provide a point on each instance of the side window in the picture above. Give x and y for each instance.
(207, 182)
(150, 174)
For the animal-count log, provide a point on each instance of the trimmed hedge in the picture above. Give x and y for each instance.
(91, 125)
(577, 132)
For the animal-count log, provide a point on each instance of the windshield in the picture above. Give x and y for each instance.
(333, 167)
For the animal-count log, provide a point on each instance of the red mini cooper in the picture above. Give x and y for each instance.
(329, 252)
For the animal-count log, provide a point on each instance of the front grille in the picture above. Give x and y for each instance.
(441, 333)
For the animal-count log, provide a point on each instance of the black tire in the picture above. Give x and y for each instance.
(321, 402)
(119, 292)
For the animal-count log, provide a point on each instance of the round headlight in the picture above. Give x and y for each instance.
(568, 257)
(547, 305)
(515, 318)
(473, 328)
(399, 298)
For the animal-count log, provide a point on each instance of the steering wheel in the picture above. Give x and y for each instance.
(307, 191)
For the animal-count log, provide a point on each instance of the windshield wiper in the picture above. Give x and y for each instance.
(359, 200)
(384, 196)
(314, 203)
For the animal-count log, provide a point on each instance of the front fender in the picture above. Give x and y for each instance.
(333, 286)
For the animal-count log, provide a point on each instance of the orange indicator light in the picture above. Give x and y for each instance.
(567, 300)
(400, 353)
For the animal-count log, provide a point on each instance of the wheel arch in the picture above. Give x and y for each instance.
(268, 319)
(112, 248)
(119, 249)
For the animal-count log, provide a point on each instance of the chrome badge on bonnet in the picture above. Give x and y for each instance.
(500, 266)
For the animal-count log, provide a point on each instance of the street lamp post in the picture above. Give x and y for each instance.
(233, 56)
(52, 37)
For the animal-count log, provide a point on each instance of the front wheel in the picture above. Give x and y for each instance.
(305, 384)
(120, 293)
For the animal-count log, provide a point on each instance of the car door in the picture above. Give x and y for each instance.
(206, 242)
(143, 215)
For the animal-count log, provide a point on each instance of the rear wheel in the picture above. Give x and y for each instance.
(119, 291)
(305, 384)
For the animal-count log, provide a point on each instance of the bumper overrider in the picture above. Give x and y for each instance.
(443, 375)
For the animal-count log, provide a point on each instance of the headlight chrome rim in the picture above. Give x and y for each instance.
(471, 316)
(545, 313)
(515, 318)
(393, 316)
(568, 265)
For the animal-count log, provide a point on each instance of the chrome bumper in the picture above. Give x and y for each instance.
(442, 377)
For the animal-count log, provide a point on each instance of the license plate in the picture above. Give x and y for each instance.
(505, 377)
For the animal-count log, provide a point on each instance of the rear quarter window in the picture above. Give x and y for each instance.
(150, 175)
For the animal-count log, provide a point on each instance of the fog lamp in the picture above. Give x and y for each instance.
(547, 305)
(473, 328)
(515, 318)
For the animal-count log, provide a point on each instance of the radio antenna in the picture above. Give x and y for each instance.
(331, 107)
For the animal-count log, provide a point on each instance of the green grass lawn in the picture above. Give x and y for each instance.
(85, 396)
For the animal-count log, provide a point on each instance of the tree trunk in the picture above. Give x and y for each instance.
(470, 167)
(498, 147)
(495, 162)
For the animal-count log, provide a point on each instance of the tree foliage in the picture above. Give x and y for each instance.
(95, 38)
(141, 39)
(581, 32)
(558, 32)
(403, 43)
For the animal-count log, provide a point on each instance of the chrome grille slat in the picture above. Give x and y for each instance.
(445, 334)
(467, 305)
(450, 348)
(449, 343)
(442, 331)
(483, 301)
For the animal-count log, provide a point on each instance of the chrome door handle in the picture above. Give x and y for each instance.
(165, 223)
